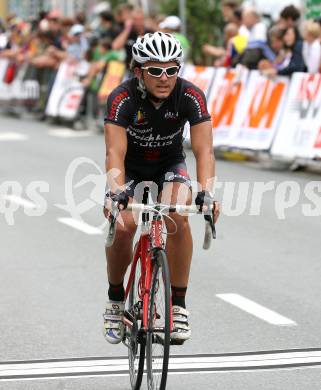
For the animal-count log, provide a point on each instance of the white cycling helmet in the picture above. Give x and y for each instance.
(158, 46)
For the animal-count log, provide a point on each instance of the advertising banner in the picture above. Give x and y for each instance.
(256, 122)
(113, 77)
(201, 76)
(299, 133)
(226, 92)
(67, 93)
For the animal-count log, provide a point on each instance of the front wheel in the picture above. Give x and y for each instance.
(136, 340)
(158, 334)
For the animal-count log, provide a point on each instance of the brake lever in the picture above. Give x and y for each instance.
(112, 229)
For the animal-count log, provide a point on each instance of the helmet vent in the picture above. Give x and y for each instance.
(142, 54)
(163, 48)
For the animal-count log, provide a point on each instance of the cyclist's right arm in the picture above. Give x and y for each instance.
(116, 148)
(118, 113)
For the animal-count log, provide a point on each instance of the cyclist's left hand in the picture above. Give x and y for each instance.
(204, 200)
(119, 200)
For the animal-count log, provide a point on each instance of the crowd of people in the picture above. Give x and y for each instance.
(51, 38)
(289, 45)
(286, 46)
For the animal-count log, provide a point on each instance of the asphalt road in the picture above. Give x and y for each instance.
(257, 288)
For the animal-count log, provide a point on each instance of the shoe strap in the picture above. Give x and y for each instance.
(113, 317)
(180, 318)
(181, 327)
(180, 310)
(112, 325)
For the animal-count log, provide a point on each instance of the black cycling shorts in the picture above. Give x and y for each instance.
(175, 173)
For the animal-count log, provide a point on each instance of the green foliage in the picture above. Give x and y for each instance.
(204, 23)
(115, 3)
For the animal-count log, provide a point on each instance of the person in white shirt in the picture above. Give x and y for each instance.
(312, 46)
(252, 21)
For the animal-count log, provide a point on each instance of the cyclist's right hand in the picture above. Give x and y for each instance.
(118, 200)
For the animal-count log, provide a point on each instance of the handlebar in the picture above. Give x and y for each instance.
(210, 232)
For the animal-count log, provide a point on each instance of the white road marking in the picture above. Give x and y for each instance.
(20, 201)
(82, 226)
(69, 133)
(11, 136)
(177, 364)
(256, 310)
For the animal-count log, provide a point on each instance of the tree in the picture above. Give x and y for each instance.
(204, 23)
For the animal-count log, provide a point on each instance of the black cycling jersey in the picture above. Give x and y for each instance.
(155, 135)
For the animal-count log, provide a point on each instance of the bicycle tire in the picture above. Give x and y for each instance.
(136, 347)
(158, 335)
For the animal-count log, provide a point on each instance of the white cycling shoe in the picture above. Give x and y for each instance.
(114, 327)
(181, 329)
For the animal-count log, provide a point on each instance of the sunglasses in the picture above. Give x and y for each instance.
(157, 71)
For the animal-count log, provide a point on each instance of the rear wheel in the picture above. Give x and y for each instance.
(158, 335)
(135, 338)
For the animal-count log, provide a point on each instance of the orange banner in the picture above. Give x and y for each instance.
(225, 102)
(264, 104)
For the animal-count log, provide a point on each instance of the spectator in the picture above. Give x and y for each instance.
(293, 58)
(15, 39)
(122, 13)
(66, 24)
(277, 44)
(78, 44)
(293, 45)
(172, 25)
(3, 36)
(44, 51)
(107, 26)
(289, 17)
(312, 46)
(100, 58)
(81, 18)
(228, 8)
(54, 19)
(235, 44)
(152, 22)
(252, 21)
(76, 49)
(257, 48)
(133, 28)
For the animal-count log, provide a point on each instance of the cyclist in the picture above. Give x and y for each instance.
(144, 127)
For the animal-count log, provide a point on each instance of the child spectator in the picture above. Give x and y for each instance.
(100, 57)
(276, 41)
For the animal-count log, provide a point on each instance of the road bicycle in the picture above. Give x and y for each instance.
(148, 314)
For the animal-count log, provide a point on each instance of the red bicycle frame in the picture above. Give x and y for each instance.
(149, 242)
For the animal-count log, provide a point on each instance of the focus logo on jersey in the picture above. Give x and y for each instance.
(198, 100)
(117, 103)
(171, 115)
(140, 118)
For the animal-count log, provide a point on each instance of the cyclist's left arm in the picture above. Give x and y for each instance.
(202, 146)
